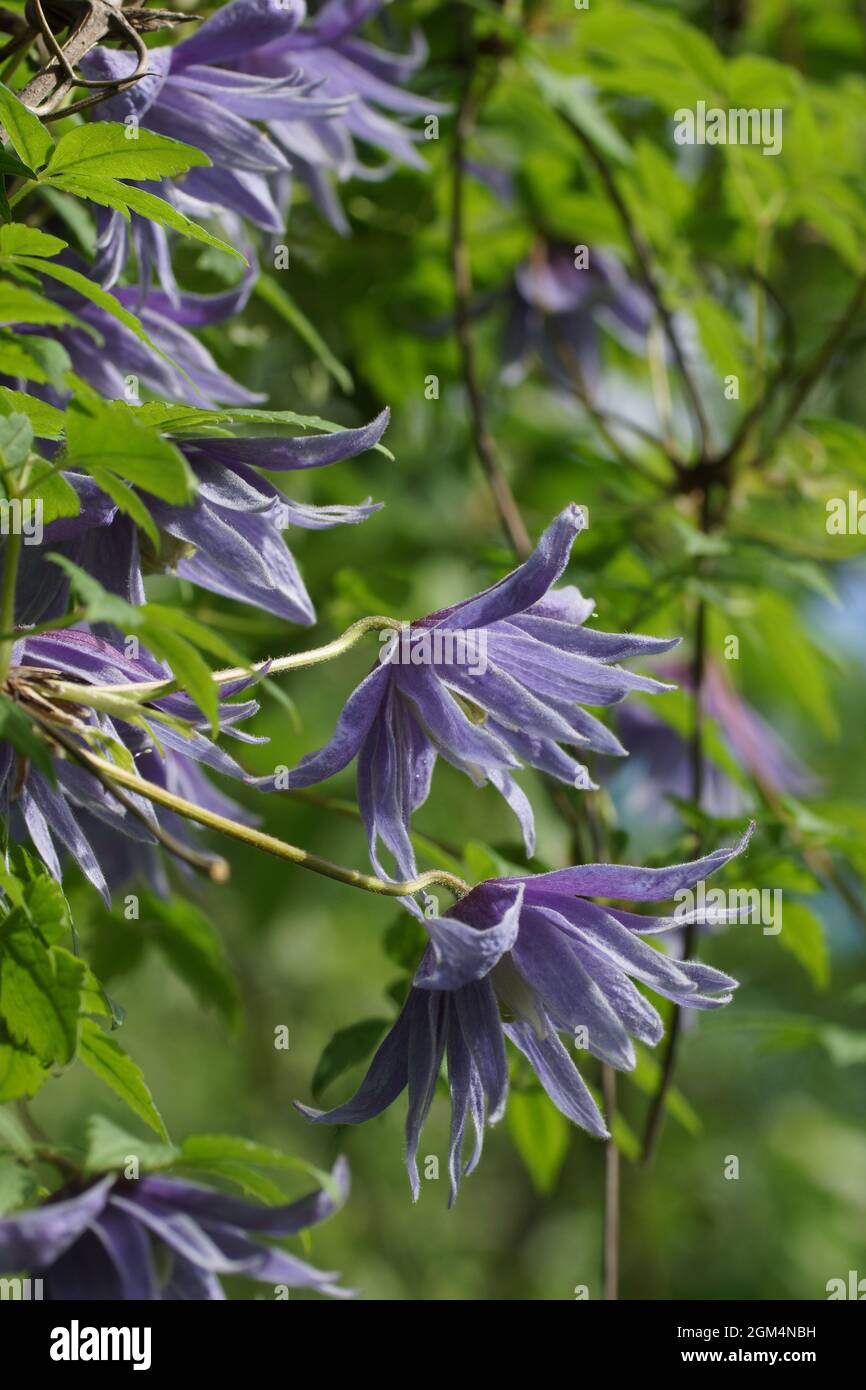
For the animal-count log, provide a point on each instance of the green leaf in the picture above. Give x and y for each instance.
(107, 1059)
(237, 1158)
(127, 500)
(21, 1073)
(109, 1148)
(21, 240)
(15, 1183)
(282, 303)
(58, 497)
(803, 935)
(12, 165)
(108, 436)
(39, 992)
(169, 633)
(27, 133)
(13, 1135)
(574, 97)
(126, 198)
(347, 1048)
(33, 358)
(46, 420)
(20, 305)
(17, 729)
(179, 419)
(74, 280)
(116, 151)
(16, 439)
(541, 1136)
(190, 944)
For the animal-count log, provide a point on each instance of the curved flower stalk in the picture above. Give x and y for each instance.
(112, 838)
(229, 540)
(315, 87)
(532, 960)
(492, 683)
(115, 1240)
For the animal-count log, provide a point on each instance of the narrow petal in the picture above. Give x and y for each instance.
(559, 1077)
(464, 951)
(635, 884)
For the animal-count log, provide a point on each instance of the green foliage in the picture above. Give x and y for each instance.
(541, 1136)
(347, 1048)
(105, 1057)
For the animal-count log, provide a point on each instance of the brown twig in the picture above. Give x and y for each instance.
(90, 23)
(610, 1268)
(485, 444)
(644, 265)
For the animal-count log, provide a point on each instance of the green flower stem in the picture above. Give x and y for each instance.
(154, 690)
(11, 559)
(269, 843)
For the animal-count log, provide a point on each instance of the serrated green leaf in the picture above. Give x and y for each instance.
(116, 151)
(107, 1060)
(21, 1072)
(39, 992)
(112, 437)
(74, 280)
(20, 305)
(126, 198)
(57, 496)
(574, 97)
(228, 1154)
(127, 500)
(47, 421)
(20, 240)
(16, 439)
(28, 135)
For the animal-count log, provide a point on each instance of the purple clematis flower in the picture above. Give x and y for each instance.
(662, 755)
(114, 361)
(556, 309)
(315, 88)
(488, 684)
(109, 842)
(228, 540)
(530, 959)
(101, 1243)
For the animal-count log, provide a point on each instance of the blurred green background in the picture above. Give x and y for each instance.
(784, 1096)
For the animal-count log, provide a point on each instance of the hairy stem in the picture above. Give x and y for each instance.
(297, 661)
(269, 843)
